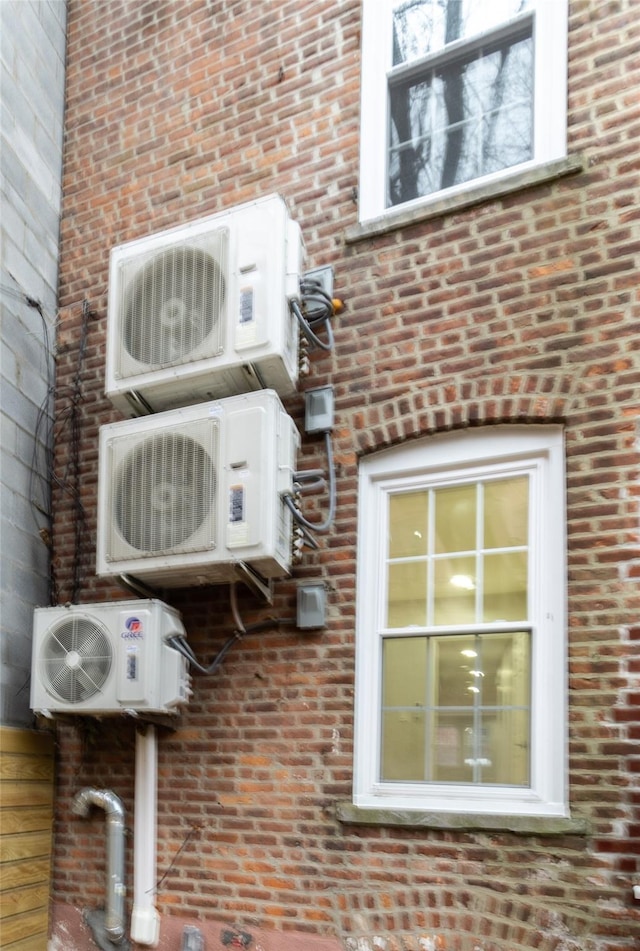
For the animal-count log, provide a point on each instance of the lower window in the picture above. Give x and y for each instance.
(460, 690)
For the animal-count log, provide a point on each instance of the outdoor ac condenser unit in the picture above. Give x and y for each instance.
(201, 311)
(186, 495)
(102, 659)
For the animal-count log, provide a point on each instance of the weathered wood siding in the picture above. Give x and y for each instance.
(26, 818)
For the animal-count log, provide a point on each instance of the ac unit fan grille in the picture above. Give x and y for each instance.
(173, 307)
(164, 493)
(75, 660)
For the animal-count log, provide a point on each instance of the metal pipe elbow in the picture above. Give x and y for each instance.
(103, 798)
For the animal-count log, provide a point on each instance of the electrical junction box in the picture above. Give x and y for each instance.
(319, 410)
(323, 277)
(311, 605)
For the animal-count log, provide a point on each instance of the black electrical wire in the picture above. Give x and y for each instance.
(69, 482)
(41, 467)
(180, 644)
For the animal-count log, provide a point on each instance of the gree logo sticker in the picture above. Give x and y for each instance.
(133, 627)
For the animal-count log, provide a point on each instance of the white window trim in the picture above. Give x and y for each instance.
(550, 104)
(539, 450)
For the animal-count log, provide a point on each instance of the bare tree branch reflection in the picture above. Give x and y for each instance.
(454, 121)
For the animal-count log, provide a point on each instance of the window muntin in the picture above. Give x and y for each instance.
(455, 92)
(460, 690)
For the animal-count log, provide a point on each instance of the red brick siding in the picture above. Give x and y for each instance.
(521, 309)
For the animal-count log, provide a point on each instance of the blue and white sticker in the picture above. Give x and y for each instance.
(246, 314)
(236, 504)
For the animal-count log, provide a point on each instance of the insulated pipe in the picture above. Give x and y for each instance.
(145, 920)
(115, 889)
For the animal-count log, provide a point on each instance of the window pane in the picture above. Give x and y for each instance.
(408, 524)
(461, 121)
(506, 513)
(505, 658)
(411, 173)
(403, 745)
(448, 747)
(455, 519)
(506, 105)
(454, 594)
(449, 673)
(404, 661)
(421, 27)
(407, 594)
(505, 587)
(503, 674)
(404, 677)
(508, 749)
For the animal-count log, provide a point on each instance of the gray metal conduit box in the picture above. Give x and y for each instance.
(312, 600)
(318, 410)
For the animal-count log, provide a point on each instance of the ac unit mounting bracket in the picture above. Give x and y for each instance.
(261, 586)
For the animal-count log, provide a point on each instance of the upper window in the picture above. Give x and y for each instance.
(458, 91)
(460, 636)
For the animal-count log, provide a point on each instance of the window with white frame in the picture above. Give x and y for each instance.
(461, 681)
(456, 92)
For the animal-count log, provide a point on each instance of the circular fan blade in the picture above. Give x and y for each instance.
(172, 305)
(164, 492)
(75, 660)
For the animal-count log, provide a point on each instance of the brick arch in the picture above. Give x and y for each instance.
(456, 404)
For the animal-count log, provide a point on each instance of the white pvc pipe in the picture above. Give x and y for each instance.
(145, 920)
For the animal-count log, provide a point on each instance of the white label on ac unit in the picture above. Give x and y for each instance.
(132, 663)
(236, 504)
(246, 305)
(247, 324)
(132, 671)
(237, 527)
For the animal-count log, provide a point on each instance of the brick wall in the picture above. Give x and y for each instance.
(522, 308)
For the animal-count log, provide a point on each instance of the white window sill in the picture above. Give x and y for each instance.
(349, 814)
(473, 195)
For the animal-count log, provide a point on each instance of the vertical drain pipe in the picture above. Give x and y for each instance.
(115, 889)
(145, 920)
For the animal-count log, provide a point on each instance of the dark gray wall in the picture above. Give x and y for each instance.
(32, 97)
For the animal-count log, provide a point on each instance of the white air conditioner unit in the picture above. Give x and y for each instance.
(186, 495)
(201, 311)
(99, 659)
